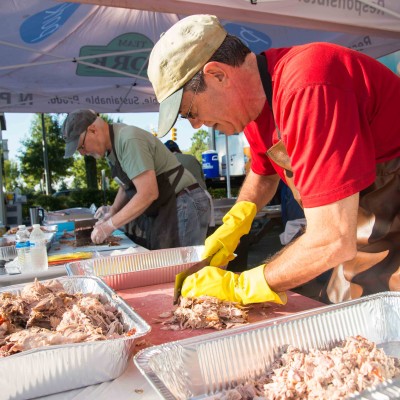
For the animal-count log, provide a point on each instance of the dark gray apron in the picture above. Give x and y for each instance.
(376, 266)
(157, 227)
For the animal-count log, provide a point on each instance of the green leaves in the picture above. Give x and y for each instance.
(31, 157)
(200, 143)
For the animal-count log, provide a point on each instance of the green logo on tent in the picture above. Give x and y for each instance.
(133, 63)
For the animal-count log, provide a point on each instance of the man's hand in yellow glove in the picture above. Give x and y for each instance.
(248, 287)
(223, 242)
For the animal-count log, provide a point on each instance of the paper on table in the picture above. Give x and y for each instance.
(63, 258)
(129, 250)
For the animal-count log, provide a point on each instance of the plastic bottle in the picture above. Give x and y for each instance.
(38, 249)
(22, 245)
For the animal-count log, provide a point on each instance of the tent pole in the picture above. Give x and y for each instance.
(3, 216)
(45, 158)
(227, 169)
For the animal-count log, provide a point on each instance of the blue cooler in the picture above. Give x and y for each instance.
(210, 164)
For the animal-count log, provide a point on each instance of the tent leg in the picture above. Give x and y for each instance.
(228, 172)
(2, 202)
(46, 159)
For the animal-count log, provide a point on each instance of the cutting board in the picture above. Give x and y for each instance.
(151, 301)
(62, 248)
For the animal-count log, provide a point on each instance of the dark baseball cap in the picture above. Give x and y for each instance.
(172, 146)
(74, 125)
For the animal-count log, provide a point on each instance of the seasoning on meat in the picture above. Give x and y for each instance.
(44, 314)
(321, 374)
(205, 312)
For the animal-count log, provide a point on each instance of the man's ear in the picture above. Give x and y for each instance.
(215, 70)
(91, 129)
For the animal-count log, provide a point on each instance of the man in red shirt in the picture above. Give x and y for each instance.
(323, 118)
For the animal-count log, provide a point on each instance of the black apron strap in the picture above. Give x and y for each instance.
(118, 172)
(265, 76)
(180, 170)
(266, 80)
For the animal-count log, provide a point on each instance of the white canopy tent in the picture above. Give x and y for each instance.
(56, 56)
(373, 17)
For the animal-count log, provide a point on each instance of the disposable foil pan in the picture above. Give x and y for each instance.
(8, 253)
(138, 269)
(206, 365)
(53, 369)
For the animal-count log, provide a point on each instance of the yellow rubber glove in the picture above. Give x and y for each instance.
(248, 287)
(223, 242)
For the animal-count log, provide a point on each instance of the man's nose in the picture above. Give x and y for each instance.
(196, 123)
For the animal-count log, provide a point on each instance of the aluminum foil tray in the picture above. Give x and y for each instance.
(205, 366)
(8, 253)
(138, 269)
(54, 369)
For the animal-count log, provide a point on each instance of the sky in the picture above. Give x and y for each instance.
(18, 125)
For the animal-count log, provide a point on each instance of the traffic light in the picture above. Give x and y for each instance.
(173, 134)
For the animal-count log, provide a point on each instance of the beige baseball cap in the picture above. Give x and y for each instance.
(179, 54)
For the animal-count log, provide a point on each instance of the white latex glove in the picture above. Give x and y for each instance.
(103, 212)
(102, 230)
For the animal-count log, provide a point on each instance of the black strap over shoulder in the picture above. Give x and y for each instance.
(266, 80)
(117, 170)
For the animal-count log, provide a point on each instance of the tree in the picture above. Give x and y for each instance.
(31, 159)
(12, 177)
(200, 142)
(78, 172)
(91, 172)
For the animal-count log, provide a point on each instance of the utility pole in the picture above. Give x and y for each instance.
(46, 159)
(2, 202)
(228, 169)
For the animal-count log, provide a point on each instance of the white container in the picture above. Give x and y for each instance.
(38, 249)
(22, 246)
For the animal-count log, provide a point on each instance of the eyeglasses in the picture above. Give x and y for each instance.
(189, 115)
(82, 146)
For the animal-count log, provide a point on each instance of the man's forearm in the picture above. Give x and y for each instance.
(258, 189)
(146, 192)
(133, 209)
(330, 239)
(298, 263)
(121, 199)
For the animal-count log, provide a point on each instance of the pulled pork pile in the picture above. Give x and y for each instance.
(321, 374)
(43, 314)
(205, 312)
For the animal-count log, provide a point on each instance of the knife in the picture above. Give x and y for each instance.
(179, 278)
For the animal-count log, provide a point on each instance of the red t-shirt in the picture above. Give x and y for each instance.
(338, 112)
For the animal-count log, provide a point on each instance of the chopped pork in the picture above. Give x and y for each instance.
(205, 312)
(44, 314)
(320, 374)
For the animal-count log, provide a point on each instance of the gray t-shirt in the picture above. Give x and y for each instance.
(192, 165)
(139, 151)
